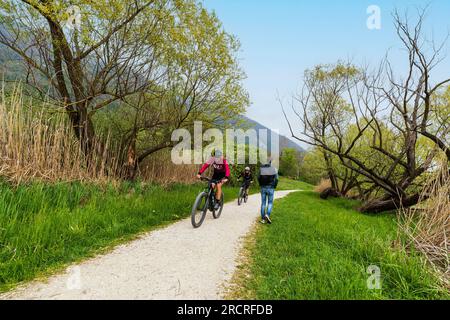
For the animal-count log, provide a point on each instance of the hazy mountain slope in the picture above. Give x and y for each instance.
(285, 142)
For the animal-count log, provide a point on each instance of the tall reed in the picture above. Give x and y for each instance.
(428, 224)
(37, 142)
(159, 168)
(323, 185)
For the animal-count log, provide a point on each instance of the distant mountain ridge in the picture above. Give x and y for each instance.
(284, 142)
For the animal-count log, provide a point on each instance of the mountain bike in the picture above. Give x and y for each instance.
(243, 194)
(205, 201)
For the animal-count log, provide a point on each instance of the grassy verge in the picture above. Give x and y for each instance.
(45, 227)
(321, 250)
(289, 184)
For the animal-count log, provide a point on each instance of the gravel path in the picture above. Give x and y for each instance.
(176, 262)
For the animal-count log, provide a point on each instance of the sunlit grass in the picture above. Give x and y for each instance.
(318, 249)
(289, 184)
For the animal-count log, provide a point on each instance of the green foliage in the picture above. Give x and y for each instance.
(313, 167)
(321, 250)
(339, 71)
(289, 163)
(203, 81)
(237, 169)
(441, 112)
(365, 149)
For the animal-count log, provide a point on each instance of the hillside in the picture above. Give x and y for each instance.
(285, 142)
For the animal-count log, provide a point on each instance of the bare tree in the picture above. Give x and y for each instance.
(419, 88)
(345, 112)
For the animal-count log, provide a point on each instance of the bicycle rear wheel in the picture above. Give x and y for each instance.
(199, 210)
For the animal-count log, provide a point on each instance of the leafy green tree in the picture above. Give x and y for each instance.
(108, 56)
(289, 163)
(313, 168)
(136, 70)
(381, 156)
(438, 128)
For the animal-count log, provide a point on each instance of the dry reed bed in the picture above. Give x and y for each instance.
(37, 143)
(323, 185)
(159, 168)
(428, 225)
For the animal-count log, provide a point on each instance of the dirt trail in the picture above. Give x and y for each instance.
(176, 262)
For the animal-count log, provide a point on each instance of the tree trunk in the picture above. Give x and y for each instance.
(132, 161)
(329, 192)
(391, 204)
(76, 108)
(330, 171)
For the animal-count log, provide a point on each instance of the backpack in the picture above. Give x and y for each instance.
(268, 176)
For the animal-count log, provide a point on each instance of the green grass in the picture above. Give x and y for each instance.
(289, 184)
(320, 249)
(45, 227)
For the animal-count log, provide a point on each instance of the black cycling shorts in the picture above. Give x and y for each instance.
(218, 177)
(247, 183)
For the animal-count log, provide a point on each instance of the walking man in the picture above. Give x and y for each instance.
(268, 180)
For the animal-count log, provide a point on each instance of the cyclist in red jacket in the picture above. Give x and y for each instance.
(221, 173)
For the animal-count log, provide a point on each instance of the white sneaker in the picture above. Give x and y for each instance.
(263, 221)
(268, 219)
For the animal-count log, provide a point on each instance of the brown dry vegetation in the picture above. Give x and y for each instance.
(36, 143)
(159, 168)
(323, 185)
(428, 225)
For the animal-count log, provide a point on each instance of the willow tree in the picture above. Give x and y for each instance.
(107, 57)
(202, 82)
(383, 114)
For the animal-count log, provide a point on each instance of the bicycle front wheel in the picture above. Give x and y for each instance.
(240, 196)
(199, 210)
(217, 213)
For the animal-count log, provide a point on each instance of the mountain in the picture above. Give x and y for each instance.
(285, 142)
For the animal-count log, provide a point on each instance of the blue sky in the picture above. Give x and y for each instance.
(280, 39)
